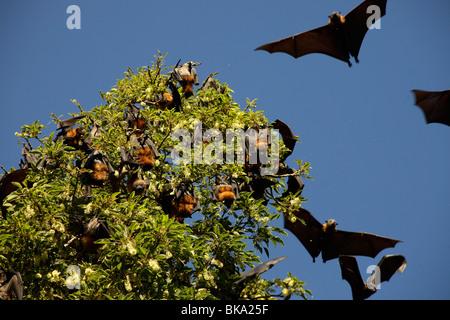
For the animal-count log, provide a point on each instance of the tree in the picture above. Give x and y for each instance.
(146, 251)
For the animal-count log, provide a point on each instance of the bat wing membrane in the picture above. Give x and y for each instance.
(320, 40)
(355, 243)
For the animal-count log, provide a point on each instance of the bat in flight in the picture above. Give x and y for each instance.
(340, 38)
(326, 239)
(256, 271)
(386, 268)
(434, 104)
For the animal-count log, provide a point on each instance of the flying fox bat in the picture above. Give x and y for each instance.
(256, 271)
(225, 190)
(10, 281)
(134, 120)
(70, 136)
(96, 171)
(169, 100)
(88, 233)
(143, 152)
(181, 204)
(187, 76)
(434, 104)
(340, 38)
(7, 186)
(331, 242)
(386, 268)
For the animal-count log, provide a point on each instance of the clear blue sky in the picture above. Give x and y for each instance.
(377, 166)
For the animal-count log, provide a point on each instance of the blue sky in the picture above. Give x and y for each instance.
(377, 166)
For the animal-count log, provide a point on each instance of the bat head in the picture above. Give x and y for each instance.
(330, 225)
(336, 19)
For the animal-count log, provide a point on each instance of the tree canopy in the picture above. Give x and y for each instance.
(91, 221)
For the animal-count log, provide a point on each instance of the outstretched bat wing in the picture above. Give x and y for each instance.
(434, 104)
(288, 136)
(307, 229)
(350, 273)
(260, 269)
(391, 264)
(356, 22)
(324, 40)
(354, 243)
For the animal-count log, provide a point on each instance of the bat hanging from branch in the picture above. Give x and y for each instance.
(326, 239)
(386, 268)
(340, 38)
(434, 104)
(186, 75)
(225, 190)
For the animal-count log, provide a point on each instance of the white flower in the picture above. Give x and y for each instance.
(217, 263)
(88, 271)
(53, 276)
(154, 265)
(131, 248)
(128, 284)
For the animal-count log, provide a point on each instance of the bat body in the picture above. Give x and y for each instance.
(7, 186)
(181, 204)
(294, 183)
(144, 152)
(434, 104)
(187, 76)
(97, 170)
(386, 268)
(134, 120)
(10, 282)
(225, 190)
(258, 270)
(88, 233)
(340, 38)
(71, 136)
(332, 243)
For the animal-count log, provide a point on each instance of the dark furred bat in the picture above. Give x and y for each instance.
(434, 104)
(181, 204)
(10, 282)
(143, 152)
(71, 136)
(7, 186)
(97, 170)
(340, 38)
(256, 271)
(225, 190)
(134, 120)
(288, 136)
(331, 242)
(169, 100)
(187, 76)
(294, 183)
(386, 268)
(88, 233)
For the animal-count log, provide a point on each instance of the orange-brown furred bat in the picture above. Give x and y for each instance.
(340, 38)
(97, 170)
(88, 233)
(434, 104)
(327, 239)
(181, 204)
(386, 268)
(186, 75)
(71, 136)
(225, 190)
(143, 152)
(134, 120)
